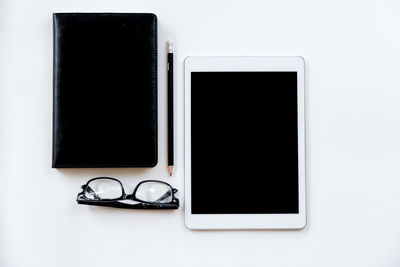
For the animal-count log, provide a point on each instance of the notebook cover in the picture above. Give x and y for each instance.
(105, 90)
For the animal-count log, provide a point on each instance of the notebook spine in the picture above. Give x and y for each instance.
(55, 91)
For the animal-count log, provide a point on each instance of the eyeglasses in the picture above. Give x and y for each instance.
(109, 192)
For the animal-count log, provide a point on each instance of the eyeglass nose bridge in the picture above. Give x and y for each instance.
(129, 196)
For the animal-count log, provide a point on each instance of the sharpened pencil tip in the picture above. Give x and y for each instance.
(170, 168)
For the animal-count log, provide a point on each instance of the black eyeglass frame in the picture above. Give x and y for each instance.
(114, 202)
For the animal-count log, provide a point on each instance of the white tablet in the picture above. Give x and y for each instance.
(244, 143)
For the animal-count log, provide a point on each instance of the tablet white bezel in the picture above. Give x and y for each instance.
(245, 221)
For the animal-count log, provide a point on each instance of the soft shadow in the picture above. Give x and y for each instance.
(95, 172)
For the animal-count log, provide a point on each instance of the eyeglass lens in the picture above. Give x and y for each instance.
(104, 189)
(154, 192)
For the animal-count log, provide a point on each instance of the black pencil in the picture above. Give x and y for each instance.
(170, 108)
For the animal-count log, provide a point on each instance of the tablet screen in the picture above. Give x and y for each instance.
(244, 143)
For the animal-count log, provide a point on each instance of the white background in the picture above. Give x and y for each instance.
(351, 48)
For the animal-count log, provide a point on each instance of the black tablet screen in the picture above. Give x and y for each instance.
(244, 142)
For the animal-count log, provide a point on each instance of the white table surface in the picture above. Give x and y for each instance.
(351, 48)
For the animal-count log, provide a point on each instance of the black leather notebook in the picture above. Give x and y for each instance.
(105, 90)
